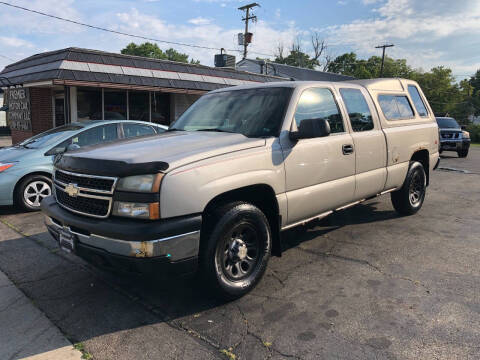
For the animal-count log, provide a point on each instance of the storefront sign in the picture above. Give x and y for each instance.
(19, 114)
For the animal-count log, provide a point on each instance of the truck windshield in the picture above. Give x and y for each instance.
(255, 112)
(447, 123)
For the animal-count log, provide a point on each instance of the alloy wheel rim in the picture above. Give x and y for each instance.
(239, 253)
(417, 189)
(35, 192)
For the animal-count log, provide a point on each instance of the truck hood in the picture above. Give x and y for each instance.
(163, 152)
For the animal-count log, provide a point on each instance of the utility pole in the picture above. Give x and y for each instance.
(383, 55)
(246, 37)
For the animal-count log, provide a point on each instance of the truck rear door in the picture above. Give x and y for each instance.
(369, 140)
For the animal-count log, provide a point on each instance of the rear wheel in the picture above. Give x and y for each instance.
(236, 249)
(409, 199)
(462, 153)
(32, 190)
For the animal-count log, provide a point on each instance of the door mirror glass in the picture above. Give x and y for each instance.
(57, 150)
(311, 128)
(72, 147)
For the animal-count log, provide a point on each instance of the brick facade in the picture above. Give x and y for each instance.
(42, 114)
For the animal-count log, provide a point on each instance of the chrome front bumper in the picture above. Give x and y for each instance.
(175, 248)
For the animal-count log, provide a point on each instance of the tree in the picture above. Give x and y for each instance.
(151, 50)
(299, 58)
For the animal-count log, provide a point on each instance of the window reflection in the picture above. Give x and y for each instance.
(89, 104)
(115, 105)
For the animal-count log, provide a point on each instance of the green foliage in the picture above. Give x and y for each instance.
(474, 130)
(446, 97)
(297, 58)
(152, 50)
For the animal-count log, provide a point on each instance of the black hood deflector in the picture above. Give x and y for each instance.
(107, 167)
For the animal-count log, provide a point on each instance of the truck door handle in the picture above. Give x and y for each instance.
(347, 149)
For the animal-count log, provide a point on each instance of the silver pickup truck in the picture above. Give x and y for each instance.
(214, 192)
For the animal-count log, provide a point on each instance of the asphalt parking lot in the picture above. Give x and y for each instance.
(361, 284)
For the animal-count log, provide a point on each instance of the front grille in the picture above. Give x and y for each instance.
(84, 194)
(95, 183)
(450, 135)
(84, 205)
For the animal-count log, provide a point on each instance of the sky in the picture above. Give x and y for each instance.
(427, 33)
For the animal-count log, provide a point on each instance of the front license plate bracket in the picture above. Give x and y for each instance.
(67, 241)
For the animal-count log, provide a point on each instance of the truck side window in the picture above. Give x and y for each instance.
(417, 100)
(358, 110)
(319, 103)
(395, 107)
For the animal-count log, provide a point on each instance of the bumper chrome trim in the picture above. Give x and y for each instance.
(176, 247)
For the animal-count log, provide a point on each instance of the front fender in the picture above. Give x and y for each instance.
(188, 190)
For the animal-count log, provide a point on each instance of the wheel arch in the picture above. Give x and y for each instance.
(260, 195)
(19, 181)
(423, 157)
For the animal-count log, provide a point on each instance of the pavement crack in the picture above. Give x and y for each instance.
(340, 257)
(11, 304)
(273, 274)
(271, 349)
(328, 254)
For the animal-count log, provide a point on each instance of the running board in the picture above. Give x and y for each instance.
(325, 214)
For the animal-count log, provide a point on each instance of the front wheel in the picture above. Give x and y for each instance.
(409, 199)
(32, 190)
(462, 153)
(236, 249)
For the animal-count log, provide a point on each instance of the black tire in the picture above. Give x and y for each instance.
(462, 153)
(29, 185)
(409, 199)
(236, 247)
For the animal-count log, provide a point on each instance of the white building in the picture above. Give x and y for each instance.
(3, 120)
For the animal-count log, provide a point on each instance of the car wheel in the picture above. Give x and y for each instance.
(32, 190)
(462, 153)
(235, 250)
(409, 199)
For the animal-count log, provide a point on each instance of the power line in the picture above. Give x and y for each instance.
(115, 31)
(7, 57)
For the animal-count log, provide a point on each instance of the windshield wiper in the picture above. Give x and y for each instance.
(173, 129)
(216, 130)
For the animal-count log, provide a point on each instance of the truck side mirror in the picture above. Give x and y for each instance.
(311, 128)
(463, 127)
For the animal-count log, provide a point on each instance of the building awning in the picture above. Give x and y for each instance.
(74, 66)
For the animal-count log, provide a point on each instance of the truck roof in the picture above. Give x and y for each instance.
(385, 84)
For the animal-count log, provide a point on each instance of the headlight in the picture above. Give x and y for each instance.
(140, 183)
(465, 134)
(136, 210)
(5, 166)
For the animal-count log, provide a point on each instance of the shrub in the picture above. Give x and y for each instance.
(474, 130)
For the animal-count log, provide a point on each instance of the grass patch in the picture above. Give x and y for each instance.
(228, 353)
(475, 144)
(85, 354)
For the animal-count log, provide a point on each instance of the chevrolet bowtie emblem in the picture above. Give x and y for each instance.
(72, 190)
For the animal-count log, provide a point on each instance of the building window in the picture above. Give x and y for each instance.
(138, 105)
(160, 104)
(89, 104)
(115, 104)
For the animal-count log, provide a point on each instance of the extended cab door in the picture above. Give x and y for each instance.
(369, 141)
(320, 172)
